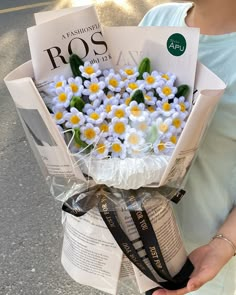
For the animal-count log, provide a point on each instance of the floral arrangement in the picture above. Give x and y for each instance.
(126, 114)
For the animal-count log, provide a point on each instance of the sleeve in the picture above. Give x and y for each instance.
(160, 15)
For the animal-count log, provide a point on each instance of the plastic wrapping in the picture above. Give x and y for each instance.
(143, 225)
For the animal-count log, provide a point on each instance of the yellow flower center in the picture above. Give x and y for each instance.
(165, 76)
(109, 95)
(161, 146)
(166, 90)
(116, 147)
(150, 80)
(163, 127)
(129, 71)
(119, 127)
(113, 82)
(133, 86)
(119, 113)
(148, 97)
(133, 138)
(62, 97)
(74, 119)
(58, 84)
(89, 70)
(94, 116)
(151, 109)
(108, 108)
(94, 88)
(104, 127)
(89, 133)
(143, 126)
(58, 115)
(173, 139)
(177, 122)
(182, 107)
(166, 106)
(135, 111)
(74, 87)
(127, 101)
(101, 148)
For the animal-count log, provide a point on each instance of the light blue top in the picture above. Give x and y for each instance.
(211, 186)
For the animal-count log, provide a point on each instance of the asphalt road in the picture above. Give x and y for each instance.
(30, 228)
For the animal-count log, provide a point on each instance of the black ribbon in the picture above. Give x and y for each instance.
(104, 198)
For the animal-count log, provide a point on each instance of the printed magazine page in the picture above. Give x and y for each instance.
(77, 31)
(90, 254)
(38, 124)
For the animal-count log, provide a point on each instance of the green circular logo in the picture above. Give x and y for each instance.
(176, 44)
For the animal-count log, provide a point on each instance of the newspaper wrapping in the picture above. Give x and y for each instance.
(113, 231)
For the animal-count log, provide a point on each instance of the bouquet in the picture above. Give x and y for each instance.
(122, 127)
(112, 131)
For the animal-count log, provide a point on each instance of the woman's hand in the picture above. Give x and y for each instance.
(208, 260)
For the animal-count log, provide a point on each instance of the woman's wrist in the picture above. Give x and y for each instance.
(223, 245)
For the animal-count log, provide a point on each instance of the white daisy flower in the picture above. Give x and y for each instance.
(89, 70)
(167, 90)
(152, 80)
(168, 77)
(104, 129)
(63, 97)
(96, 116)
(118, 149)
(163, 147)
(74, 118)
(114, 83)
(149, 97)
(94, 88)
(126, 98)
(182, 106)
(76, 86)
(165, 126)
(89, 133)
(58, 83)
(173, 138)
(136, 111)
(132, 85)
(59, 114)
(118, 127)
(101, 149)
(151, 109)
(165, 108)
(178, 122)
(134, 138)
(111, 98)
(129, 72)
(107, 108)
(142, 126)
(118, 111)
